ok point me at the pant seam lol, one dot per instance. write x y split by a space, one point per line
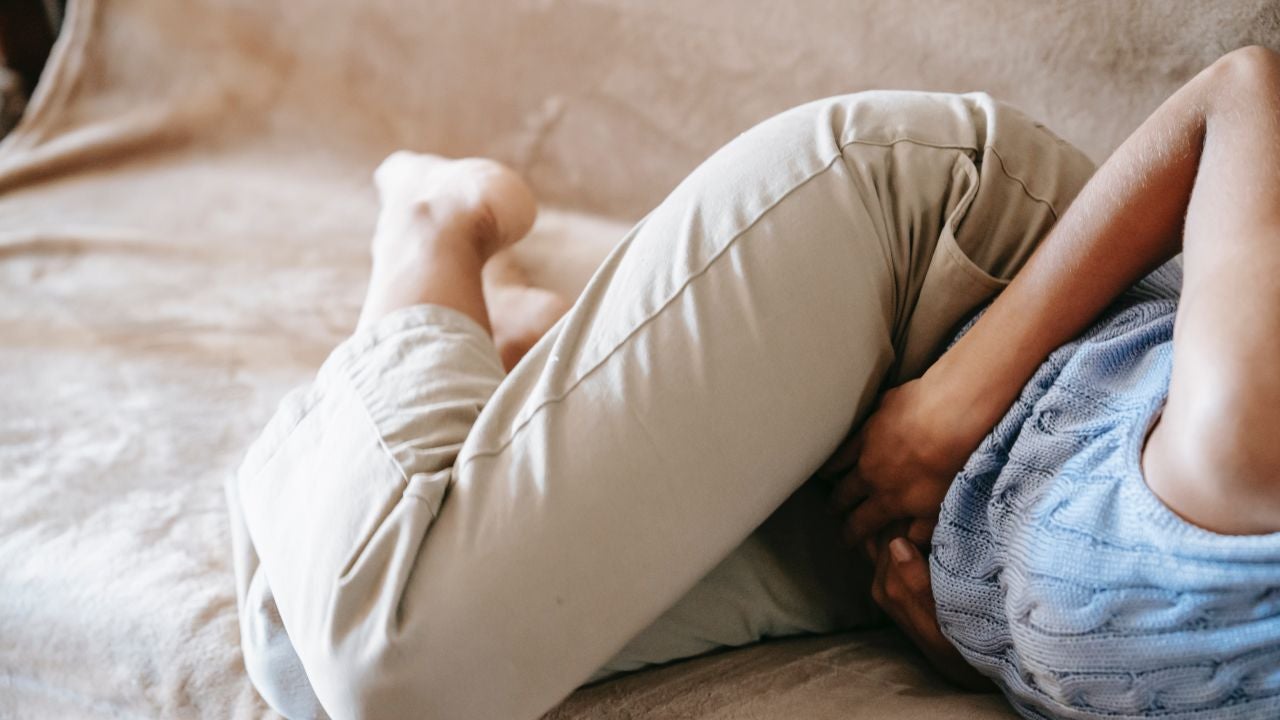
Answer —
353 387
1004 169
515 432
1026 190
913 141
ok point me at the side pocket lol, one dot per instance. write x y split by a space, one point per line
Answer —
954 285
1025 178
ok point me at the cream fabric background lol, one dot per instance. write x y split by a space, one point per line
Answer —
184 215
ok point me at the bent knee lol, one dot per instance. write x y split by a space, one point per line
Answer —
376 682
270 660
351 686
277 675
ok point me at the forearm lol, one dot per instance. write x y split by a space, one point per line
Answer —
1208 154
1126 222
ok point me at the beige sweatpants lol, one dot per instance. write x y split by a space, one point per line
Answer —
417 535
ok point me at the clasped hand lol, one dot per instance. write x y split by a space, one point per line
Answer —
899 465
890 478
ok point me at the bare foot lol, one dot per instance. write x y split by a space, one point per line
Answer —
440 221
428 192
519 313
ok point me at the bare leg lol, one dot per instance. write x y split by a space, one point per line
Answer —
441 220
519 312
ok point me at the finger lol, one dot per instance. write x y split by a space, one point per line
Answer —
868 519
910 603
920 621
908 589
878 581
873 545
910 568
920 532
844 458
850 491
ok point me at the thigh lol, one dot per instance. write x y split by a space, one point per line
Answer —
791 575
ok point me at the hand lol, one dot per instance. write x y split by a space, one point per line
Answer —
902 589
900 463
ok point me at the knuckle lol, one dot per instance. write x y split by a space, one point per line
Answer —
894 590
877 594
918 583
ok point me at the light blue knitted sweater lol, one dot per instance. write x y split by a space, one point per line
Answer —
1062 577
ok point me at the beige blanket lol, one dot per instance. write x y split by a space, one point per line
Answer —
184 216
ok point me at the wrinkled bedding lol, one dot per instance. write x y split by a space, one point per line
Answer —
184 222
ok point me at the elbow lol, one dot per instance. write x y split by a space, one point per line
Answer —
1247 74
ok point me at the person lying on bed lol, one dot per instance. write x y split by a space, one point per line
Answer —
419 534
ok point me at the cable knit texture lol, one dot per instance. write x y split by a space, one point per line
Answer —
1061 576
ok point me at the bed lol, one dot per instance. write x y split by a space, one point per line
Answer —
184 219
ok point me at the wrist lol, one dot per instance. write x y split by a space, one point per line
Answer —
968 398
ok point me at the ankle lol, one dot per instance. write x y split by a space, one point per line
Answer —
428 228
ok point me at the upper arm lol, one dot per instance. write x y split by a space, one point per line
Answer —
1213 457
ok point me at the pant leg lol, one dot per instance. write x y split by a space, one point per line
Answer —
791 575
718 356
359 459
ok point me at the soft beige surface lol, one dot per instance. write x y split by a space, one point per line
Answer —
183 223
868 676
